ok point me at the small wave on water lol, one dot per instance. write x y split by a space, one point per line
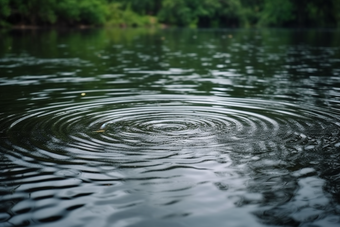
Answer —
173 160
170 127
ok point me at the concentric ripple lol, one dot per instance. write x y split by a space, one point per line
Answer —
163 148
157 125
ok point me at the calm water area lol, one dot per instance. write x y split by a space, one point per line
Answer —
174 127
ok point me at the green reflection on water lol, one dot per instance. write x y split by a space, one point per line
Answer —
268 64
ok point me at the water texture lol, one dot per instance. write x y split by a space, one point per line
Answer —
170 128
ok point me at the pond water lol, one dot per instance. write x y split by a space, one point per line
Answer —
170 128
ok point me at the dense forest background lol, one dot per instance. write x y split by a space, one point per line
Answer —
179 13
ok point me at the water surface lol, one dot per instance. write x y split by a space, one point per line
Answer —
170 128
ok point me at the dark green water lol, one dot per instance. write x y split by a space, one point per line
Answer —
170 128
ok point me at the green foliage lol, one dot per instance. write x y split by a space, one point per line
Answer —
84 12
4 8
68 11
207 13
320 12
276 12
184 13
50 12
118 16
142 7
176 12
336 12
35 11
93 11
5 11
233 13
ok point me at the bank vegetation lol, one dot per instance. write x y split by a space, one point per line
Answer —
175 13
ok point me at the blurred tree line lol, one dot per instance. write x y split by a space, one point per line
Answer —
184 13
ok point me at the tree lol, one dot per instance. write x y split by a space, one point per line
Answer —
5 11
276 13
185 13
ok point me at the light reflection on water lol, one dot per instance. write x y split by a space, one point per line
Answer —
171 128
